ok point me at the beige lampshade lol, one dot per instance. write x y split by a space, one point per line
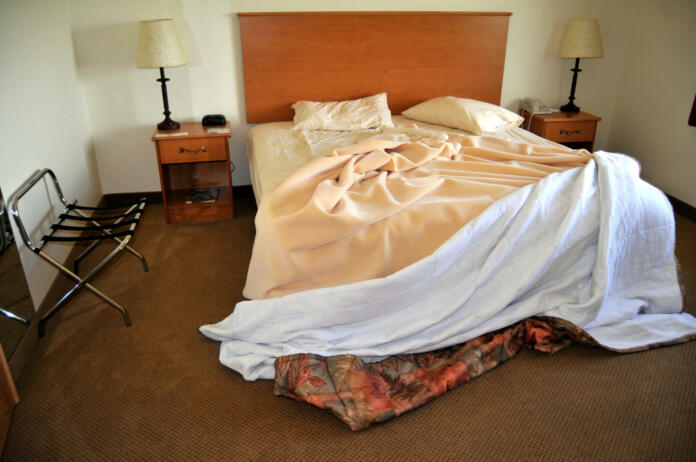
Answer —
582 40
159 44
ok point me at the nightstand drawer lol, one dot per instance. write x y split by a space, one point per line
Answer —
193 150
572 131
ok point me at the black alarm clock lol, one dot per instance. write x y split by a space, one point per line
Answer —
212 120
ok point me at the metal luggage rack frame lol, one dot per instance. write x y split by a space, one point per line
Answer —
114 231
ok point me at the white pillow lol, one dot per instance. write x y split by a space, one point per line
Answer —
355 114
465 114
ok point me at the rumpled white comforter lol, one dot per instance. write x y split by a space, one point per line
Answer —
592 245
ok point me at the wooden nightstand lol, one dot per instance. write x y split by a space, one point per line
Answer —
197 160
575 130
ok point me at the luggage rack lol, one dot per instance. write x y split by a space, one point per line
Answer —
121 229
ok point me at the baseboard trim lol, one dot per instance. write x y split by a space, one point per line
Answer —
244 190
155 197
682 208
125 199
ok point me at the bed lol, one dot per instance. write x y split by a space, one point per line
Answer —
555 254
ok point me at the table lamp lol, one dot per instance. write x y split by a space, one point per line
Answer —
159 46
581 40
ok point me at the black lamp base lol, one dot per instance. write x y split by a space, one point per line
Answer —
570 107
168 124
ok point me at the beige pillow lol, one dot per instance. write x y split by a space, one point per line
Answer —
465 114
355 114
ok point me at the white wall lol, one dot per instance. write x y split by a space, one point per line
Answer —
43 119
125 102
655 93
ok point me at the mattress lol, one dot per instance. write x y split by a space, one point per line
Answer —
276 150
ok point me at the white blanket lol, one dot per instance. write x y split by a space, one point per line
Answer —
592 245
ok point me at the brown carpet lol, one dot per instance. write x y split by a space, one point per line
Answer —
95 390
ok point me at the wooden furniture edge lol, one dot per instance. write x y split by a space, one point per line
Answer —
9 384
9 399
291 13
198 134
581 116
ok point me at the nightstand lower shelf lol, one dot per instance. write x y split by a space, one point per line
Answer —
589 145
178 209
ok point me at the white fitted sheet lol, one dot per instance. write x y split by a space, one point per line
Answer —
275 150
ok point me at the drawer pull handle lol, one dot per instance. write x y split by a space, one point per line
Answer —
192 151
570 132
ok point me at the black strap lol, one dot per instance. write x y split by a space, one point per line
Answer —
81 207
94 228
65 216
137 208
97 237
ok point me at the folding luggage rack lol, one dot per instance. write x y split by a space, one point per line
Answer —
121 229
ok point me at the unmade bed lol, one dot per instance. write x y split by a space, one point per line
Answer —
367 299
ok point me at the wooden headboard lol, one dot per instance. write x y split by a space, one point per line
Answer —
326 56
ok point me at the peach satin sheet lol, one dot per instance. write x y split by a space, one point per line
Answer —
371 209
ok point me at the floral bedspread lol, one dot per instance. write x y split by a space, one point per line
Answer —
361 393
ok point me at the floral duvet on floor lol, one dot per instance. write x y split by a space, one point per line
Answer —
361 393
